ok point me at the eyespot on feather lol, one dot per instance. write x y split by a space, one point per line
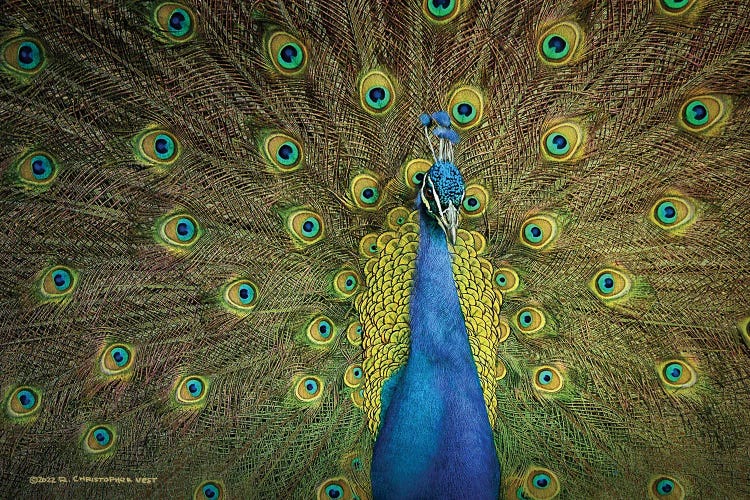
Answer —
413 172
562 142
354 375
672 213
57 283
530 320
240 296
676 374
191 390
674 7
287 53
305 226
116 359
539 231
397 218
609 284
336 488
441 11
540 484
376 93
466 107
320 330
209 490
547 379
354 333
346 283
283 152
365 192
308 388
175 22
156 147
178 232
23 402
368 245
665 488
23 56
559 44
704 114
476 199
506 279
99 439
36 169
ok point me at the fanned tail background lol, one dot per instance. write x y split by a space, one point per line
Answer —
205 199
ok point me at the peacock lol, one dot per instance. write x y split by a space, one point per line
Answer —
375 249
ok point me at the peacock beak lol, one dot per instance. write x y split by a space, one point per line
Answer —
448 220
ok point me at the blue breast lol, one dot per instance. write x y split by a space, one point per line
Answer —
435 439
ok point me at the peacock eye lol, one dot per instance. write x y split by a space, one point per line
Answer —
609 284
157 147
540 483
320 330
305 226
530 320
58 282
539 231
365 191
672 212
353 375
701 113
354 333
465 107
675 6
475 200
548 379
562 142
413 172
397 218
676 374
346 283
507 279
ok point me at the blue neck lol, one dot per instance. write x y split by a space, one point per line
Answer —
435 440
438 327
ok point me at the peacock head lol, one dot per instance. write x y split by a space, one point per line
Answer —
443 187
